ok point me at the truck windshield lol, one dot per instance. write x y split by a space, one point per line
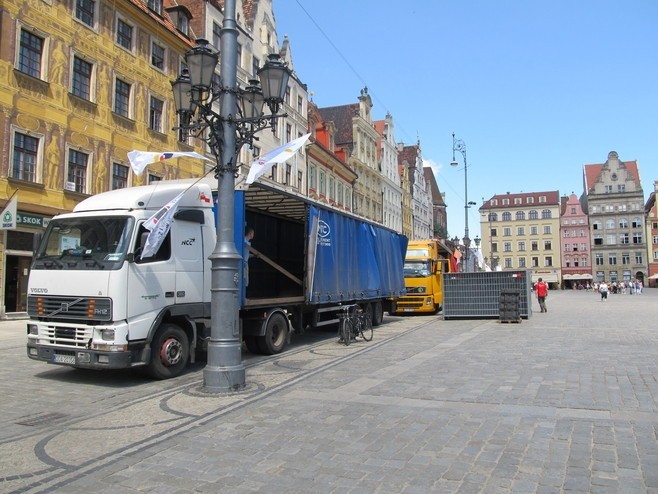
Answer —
84 243
416 269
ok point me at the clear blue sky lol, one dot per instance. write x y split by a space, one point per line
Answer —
535 88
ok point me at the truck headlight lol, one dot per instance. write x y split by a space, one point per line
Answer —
107 334
32 329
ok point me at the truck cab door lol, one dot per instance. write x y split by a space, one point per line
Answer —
189 256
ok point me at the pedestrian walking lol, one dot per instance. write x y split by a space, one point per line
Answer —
603 290
541 290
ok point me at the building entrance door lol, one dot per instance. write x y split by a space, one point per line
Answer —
17 270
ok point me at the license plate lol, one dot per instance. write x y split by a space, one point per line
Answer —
64 359
408 310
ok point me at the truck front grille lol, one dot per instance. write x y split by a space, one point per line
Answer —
50 308
66 336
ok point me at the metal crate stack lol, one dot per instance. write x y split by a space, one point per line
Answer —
477 295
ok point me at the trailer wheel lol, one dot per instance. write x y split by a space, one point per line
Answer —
377 313
170 351
276 335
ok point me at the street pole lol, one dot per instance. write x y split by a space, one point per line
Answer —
224 370
240 117
459 145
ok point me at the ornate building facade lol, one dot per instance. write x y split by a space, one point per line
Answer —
81 84
614 200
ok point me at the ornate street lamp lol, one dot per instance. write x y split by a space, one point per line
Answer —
477 240
460 146
198 93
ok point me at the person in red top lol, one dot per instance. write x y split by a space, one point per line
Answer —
541 289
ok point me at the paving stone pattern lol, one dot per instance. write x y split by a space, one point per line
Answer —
563 402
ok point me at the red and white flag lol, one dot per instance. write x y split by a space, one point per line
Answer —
159 225
278 155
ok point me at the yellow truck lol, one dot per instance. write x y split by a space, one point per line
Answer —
424 264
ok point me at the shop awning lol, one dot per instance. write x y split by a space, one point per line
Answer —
582 276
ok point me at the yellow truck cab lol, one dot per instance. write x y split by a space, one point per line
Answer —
424 264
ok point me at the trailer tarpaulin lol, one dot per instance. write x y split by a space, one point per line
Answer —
354 260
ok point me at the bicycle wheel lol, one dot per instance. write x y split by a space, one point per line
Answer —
346 331
366 327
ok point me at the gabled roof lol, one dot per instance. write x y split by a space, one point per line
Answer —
342 117
437 197
408 154
591 173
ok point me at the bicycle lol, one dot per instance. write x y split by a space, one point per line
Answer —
354 322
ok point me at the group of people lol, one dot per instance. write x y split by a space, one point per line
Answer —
541 289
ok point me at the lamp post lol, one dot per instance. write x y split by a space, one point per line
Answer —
477 240
198 93
459 145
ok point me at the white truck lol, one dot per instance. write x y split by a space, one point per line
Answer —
94 302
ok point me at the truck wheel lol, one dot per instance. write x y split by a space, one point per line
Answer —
377 313
170 351
276 335
251 342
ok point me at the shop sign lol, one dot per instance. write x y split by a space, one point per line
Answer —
32 220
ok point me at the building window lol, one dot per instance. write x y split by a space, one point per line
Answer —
522 262
625 258
505 202
156 108
530 200
610 224
548 261
183 24
155 6
534 245
275 173
636 223
546 214
300 104
547 230
312 178
323 190
533 230
624 238
122 98
638 258
607 189
507 247
507 232
157 55
533 215
637 238
567 247
85 11
548 245
119 176
520 215
508 260
507 216
30 54
518 200
288 132
77 173
520 230
300 180
598 239
565 234
599 259
81 80
621 188
493 217
534 262
339 197
611 239
26 150
597 225
612 259
521 246
288 174
216 34
154 178
583 247
623 223
542 198
583 262
494 247
124 34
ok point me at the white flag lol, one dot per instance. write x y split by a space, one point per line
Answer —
139 160
278 155
8 215
159 225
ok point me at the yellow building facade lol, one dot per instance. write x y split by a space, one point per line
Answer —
82 83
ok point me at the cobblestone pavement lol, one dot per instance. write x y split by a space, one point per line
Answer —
562 402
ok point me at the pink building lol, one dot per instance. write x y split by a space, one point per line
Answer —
574 243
